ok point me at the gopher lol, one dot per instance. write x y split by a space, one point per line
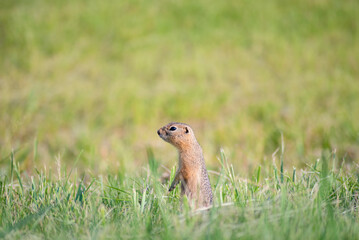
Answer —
191 170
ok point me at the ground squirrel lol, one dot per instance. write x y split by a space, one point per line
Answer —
191 170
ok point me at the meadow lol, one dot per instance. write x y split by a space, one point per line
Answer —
270 88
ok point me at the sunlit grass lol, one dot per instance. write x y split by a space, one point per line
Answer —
318 202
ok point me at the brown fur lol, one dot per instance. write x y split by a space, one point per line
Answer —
191 170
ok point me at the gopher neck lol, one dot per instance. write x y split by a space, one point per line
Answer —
191 155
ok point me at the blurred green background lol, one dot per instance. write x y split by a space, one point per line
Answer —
102 76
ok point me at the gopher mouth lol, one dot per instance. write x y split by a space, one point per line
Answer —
163 137
161 134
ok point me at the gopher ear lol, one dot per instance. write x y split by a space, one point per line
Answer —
186 130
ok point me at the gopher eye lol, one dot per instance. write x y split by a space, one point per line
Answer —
173 128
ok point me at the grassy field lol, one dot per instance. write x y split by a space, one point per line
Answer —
84 86
318 203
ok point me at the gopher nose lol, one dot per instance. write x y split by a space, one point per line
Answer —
158 132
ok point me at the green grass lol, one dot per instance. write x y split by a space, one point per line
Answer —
320 202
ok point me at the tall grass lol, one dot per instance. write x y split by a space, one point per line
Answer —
316 203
